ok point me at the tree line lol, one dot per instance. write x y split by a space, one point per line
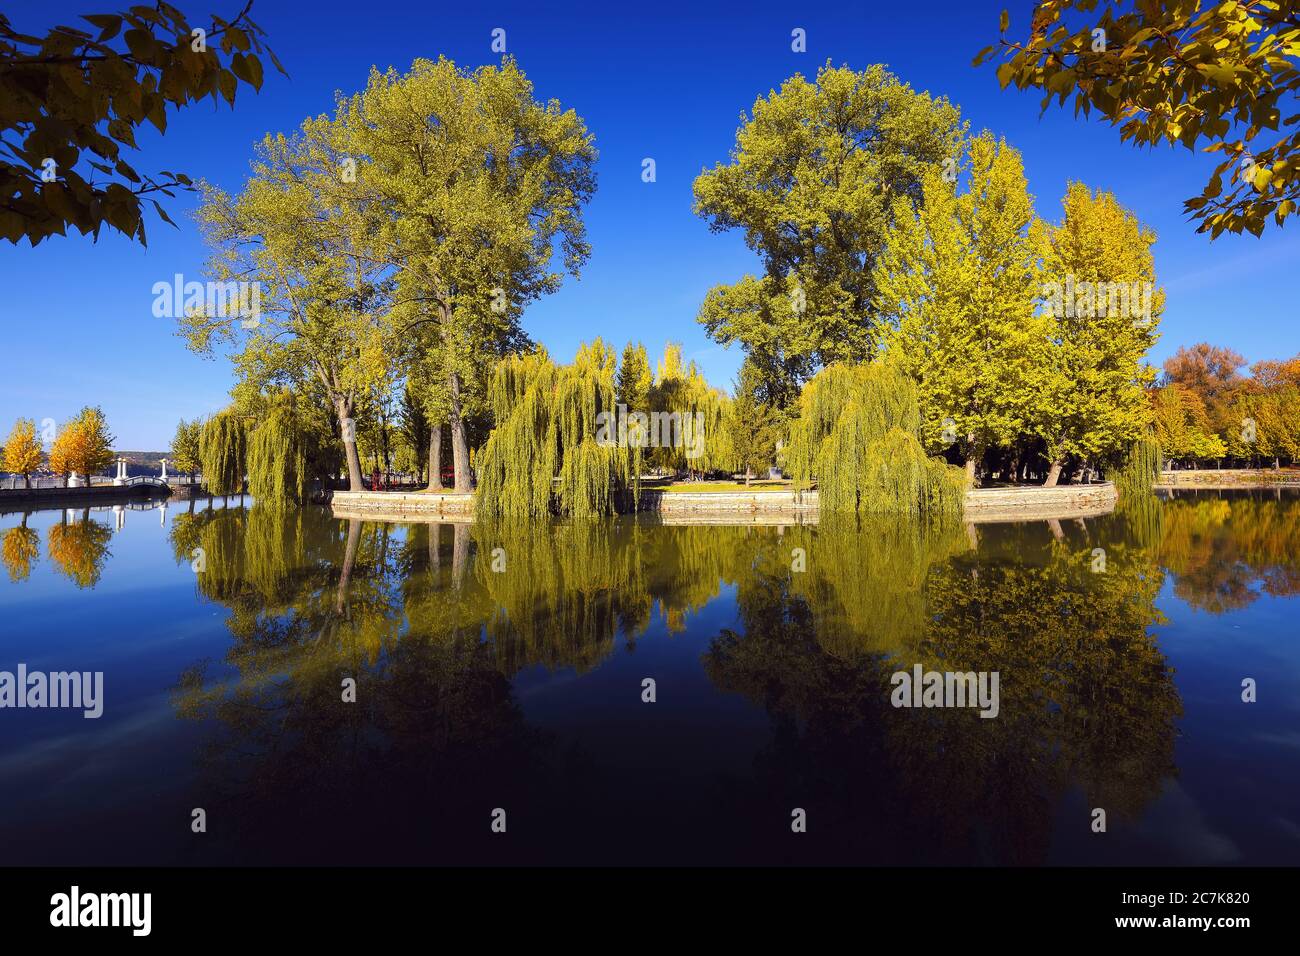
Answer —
398 241
82 445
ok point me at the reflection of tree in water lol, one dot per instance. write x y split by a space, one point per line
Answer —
434 637
1223 551
434 730
1086 699
79 549
19 550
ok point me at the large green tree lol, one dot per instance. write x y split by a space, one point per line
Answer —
323 315
482 189
813 183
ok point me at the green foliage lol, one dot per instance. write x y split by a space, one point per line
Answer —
858 435
1138 468
1182 427
223 453
549 419
323 325
753 427
1221 73
277 456
690 416
634 379
184 453
75 94
476 190
814 182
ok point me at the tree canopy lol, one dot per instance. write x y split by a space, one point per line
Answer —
813 183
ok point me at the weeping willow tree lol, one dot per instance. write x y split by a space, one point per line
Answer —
1138 468
277 455
550 422
690 416
857 435
223 452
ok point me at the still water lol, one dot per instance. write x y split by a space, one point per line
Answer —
504 668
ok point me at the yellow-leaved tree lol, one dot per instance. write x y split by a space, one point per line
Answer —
957 283
22 451
1101 299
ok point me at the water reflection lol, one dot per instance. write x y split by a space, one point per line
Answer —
434 621
501 665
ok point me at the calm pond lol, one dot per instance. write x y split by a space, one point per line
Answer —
504 668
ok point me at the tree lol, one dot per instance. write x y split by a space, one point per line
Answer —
22 451
83 445
76 97
414 424
753 427
223 452
553 422
1182 427
1220 73
482 188
634 380
298 233
184 452
1104 306
1210 372
686 423
814 181
858 435
956 284
63 449
1273 374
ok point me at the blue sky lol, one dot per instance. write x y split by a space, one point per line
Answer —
662 80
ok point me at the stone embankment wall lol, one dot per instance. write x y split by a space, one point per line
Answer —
780 507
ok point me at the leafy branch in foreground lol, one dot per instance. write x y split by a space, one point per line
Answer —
1180 72
75 98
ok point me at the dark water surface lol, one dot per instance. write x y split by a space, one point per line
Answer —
503 667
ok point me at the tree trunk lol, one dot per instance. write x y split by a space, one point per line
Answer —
349 560
459 553
435 459
459 442
343 407
28 480
1053 475
748 475
435 558
971 462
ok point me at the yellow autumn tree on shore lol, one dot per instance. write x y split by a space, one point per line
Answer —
83 446
22 451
